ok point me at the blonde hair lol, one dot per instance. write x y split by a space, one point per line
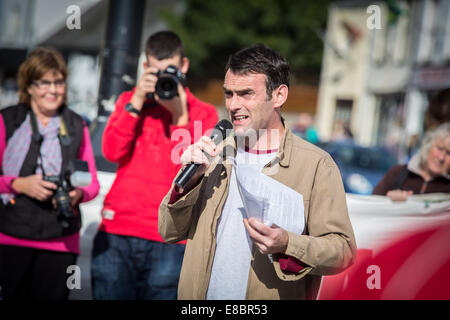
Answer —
39 61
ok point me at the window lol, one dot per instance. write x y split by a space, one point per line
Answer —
440 32
391 121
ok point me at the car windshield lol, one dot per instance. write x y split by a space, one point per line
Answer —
366 158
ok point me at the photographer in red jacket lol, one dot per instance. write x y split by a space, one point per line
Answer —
145 136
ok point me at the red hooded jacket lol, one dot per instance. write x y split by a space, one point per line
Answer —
147 150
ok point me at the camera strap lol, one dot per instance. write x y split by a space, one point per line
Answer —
38 138
63 135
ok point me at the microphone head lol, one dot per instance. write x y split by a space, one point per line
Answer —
221 130
223 125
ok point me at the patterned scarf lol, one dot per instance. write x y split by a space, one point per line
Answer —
19 144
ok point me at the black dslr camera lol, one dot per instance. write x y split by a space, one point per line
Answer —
76 175
167 85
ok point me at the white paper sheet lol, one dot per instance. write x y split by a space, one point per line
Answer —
269 200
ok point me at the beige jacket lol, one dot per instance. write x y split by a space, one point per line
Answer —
327 244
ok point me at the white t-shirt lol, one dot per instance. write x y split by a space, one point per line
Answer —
233 254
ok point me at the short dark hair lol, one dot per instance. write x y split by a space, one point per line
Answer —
163 45
261 59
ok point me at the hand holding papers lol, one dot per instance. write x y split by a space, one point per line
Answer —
269 200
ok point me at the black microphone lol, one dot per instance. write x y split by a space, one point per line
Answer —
220 132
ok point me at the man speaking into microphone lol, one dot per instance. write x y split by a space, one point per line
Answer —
230 255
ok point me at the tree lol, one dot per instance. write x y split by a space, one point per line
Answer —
212 30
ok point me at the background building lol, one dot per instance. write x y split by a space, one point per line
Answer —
26 24
380 80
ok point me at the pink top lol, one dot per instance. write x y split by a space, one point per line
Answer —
64 244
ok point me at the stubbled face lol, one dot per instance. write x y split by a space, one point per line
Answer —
48 93
438 159
247 102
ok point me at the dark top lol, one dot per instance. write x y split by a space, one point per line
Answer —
412 182
29 218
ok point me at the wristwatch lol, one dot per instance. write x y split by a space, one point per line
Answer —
129 108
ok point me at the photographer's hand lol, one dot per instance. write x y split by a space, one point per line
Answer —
146 84
177 106
75 196
34 187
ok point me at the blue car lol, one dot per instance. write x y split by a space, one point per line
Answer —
361 167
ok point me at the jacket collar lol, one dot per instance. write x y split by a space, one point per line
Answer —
285 150
414 167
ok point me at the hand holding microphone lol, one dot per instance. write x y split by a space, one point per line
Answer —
195 159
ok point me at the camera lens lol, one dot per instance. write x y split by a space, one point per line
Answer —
166 87
63 206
